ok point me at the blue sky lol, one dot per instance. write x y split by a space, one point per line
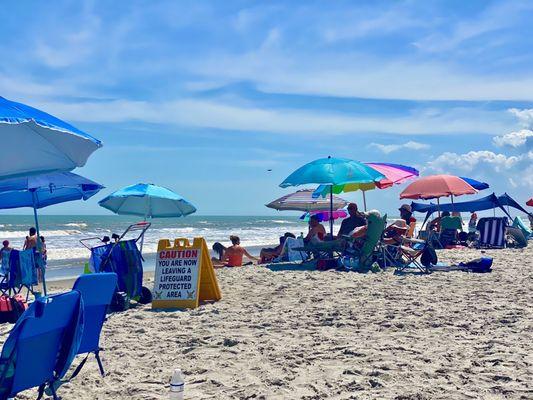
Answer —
205 97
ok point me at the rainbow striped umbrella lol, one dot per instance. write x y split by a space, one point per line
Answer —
395 174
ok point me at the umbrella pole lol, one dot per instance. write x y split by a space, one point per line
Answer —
364 199
438 206
331 210
40 260
453 206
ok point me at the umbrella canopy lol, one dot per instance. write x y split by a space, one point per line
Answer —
35 142
394 174
303 200
332 171
325 215
435 186
530 202
147 201
38 191
475 184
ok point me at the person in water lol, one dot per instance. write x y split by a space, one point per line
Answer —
234 254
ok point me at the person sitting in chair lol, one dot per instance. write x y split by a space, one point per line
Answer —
406 213
449 226
395 233
269 253
355 220
317 232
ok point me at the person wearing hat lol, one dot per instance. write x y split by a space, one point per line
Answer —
406 214
395 232
355 220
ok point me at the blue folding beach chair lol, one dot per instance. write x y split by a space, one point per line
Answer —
96 291
42 345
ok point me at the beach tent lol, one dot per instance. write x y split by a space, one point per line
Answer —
35 142
485 203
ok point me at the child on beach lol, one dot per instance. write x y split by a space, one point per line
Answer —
233 255
4 257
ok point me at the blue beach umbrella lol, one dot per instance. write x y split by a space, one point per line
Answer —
333 171
35 142
147 201
39 191
475 184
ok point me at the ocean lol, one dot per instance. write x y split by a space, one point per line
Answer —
66 255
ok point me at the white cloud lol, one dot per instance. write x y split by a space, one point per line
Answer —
236 115
513 139
390 148
525 116
474 159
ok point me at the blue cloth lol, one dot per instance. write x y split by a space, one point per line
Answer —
148 201
485 203
22 268
125 260
4 267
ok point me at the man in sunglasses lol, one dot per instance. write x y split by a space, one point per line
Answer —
355 220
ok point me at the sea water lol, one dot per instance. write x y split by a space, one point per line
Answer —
66 255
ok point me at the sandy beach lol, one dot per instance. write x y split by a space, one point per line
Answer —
335 335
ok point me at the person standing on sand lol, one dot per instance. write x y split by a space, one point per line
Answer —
233 255
31 240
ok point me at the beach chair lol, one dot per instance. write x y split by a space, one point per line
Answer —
492 232
41 345
289 251
21 274
369 251
410 254
96 291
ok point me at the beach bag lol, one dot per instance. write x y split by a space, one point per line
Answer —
6 309
120 302
479 265
429 257
326 263
19 305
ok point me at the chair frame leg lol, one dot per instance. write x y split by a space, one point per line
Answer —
99 361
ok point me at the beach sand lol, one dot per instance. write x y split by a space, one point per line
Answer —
318 335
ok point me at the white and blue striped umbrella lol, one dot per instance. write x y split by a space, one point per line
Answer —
147 201
34 142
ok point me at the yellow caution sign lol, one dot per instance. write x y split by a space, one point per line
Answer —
184 275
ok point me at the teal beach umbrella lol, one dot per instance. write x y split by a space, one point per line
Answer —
332 171
147 201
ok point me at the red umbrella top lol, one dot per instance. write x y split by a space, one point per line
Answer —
530 202
435 186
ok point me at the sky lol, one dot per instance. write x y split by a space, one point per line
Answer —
220 101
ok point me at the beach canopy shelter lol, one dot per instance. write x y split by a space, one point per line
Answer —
303 200
147 201
530 202
395 174
333 171
485 203
35 142
38 191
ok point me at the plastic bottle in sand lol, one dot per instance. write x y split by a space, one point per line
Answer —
177 385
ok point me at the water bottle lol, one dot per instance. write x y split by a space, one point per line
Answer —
177 385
